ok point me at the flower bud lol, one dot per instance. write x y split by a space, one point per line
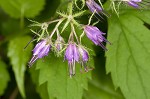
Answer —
59 43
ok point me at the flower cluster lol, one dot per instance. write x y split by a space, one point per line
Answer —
74 51
72 48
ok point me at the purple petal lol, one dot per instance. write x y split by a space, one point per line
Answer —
41 49
94 34
136 0
38 47
44 51
69 53
97 7
93 6
83 54
33 59
72 53
90 32
90 5
133 4
75 53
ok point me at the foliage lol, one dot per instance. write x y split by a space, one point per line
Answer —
129 56
121 72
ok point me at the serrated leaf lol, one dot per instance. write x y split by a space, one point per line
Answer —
59 84
4 77
128 59
101 86
22 8
19 58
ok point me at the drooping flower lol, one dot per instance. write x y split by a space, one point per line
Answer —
95 8
83 53
72 55
84 57
41 49
134 3
137 3
95 35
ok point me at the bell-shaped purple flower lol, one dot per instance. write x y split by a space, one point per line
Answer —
84 57
83 54
72 55
94 7
41 49
133 3
95 35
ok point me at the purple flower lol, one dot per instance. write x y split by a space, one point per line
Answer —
83 54
72 55
41 49
95 35
136 3
84 57
94 7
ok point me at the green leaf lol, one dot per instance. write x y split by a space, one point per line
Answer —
22 8
19 57
128 58
59 84
101 86
4 77
98 90
41 89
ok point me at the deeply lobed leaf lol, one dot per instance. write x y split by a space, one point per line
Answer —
128 57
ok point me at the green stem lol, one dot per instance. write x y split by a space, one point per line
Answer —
74 32
56 27
70 7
